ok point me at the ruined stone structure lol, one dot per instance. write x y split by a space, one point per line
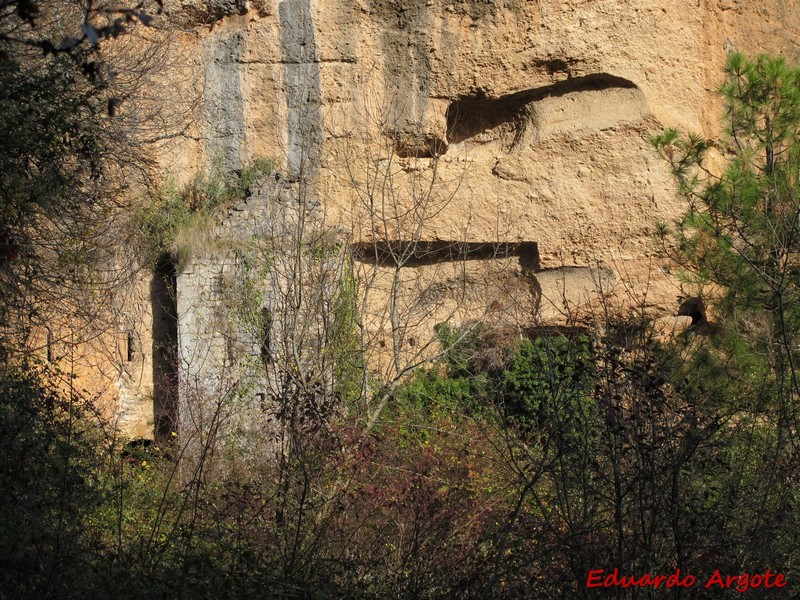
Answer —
252 303
516 122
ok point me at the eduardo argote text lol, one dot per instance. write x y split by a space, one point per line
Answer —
600 578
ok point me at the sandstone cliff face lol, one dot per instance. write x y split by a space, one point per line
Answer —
458 126
539 111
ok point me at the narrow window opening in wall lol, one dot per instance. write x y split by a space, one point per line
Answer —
164 349
125 347
265 334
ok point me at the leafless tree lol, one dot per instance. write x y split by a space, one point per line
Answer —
420 265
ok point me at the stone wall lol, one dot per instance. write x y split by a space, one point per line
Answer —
253 316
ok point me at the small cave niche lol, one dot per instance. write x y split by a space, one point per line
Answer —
470 116
474 114
412 145
165 349
408 253
695 308
554 65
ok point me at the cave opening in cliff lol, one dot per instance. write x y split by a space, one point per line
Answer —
165 349
410 253
407 145
694 308
471 115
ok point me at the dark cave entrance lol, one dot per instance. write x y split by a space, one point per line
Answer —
473 114
694 308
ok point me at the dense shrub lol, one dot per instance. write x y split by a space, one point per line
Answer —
50 458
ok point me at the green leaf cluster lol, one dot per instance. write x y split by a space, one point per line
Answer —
739 241
49 459
742 230
55 200
548 381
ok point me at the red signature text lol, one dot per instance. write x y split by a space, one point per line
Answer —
614 579
599 578
745 581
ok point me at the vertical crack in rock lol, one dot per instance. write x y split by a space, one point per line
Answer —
301 79
225 106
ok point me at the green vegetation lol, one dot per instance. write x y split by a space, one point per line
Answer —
507 469
65 165
451 492
178 220
549 377
740 238
54 214
49 467
344 340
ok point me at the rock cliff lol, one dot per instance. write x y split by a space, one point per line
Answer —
539 110
458 128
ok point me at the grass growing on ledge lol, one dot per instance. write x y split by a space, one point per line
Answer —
179 221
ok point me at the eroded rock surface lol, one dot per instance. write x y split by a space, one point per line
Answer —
539 110
471 127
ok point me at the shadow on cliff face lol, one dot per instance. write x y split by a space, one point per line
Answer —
408 253
472 115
